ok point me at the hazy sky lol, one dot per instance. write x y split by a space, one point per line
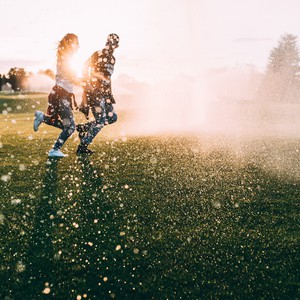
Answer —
158 38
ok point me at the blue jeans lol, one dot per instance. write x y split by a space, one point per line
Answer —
66 122
104 114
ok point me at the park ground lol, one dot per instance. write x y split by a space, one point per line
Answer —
196 216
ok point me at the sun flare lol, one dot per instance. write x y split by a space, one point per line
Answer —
77 62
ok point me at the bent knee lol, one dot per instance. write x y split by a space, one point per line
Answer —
69 125
112 118
71 129
100 121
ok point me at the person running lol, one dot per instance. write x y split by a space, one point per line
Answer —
97 94
61 98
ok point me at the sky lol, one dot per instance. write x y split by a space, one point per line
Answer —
159 39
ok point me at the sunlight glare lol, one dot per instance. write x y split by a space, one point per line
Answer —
77 62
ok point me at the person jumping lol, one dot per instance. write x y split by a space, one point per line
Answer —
61 98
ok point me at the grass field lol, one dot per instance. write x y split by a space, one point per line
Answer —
146 217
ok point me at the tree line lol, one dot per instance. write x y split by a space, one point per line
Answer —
17 78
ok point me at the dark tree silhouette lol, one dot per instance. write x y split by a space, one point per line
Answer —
17 78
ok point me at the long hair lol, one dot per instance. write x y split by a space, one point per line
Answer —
66 45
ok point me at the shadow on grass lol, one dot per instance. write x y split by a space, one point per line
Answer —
184 226
40 274
75 247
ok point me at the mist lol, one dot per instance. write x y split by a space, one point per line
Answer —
40 83
220 101
220 111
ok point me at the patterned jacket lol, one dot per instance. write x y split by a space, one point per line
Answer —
98 70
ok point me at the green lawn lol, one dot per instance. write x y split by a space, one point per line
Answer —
170 217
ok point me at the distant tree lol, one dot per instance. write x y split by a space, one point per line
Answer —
281 80
17 78
4 79
12 78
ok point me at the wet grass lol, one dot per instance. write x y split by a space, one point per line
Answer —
197 217
21 102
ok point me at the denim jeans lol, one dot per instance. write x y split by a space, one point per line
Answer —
66 122
104 114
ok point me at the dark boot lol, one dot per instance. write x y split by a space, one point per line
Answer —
82 149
